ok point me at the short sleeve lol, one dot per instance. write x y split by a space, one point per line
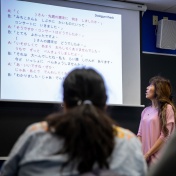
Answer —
140 124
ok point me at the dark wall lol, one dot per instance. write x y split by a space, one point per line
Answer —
152 65
155 61
15 117
127 117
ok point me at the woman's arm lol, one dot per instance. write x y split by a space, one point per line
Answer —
158 144
161 140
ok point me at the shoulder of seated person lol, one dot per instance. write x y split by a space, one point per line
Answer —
39 126
124 133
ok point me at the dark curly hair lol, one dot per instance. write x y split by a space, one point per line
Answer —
86 129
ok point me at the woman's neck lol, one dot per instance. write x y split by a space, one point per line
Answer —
154 104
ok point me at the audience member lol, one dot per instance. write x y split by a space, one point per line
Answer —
80 140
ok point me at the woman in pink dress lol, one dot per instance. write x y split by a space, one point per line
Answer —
158 120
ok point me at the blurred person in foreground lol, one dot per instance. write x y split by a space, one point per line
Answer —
82 140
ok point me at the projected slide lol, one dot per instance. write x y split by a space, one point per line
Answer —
41 43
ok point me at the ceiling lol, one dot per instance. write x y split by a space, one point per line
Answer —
157 5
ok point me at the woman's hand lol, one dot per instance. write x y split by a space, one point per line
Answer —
146 156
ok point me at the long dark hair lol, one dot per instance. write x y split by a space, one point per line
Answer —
163 96
86 129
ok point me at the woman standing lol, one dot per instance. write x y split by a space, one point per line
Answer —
158 120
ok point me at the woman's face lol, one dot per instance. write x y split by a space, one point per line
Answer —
150 92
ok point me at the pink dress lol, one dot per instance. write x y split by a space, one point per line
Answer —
150 130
